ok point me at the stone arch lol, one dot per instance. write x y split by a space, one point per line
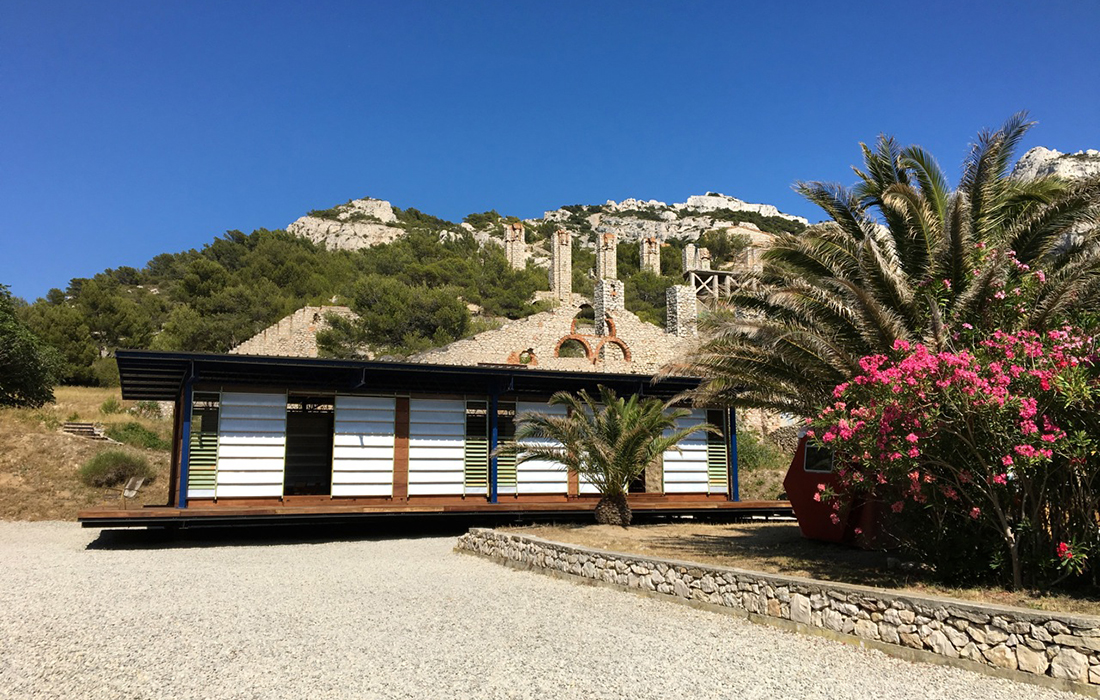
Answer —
615 342
571 341
586 315
610 330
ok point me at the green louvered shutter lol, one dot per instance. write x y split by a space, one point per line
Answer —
477 448
506 459
717 455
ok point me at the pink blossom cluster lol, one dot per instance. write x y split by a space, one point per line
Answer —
917 423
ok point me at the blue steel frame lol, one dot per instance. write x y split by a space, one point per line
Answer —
735 490
185 446
493 438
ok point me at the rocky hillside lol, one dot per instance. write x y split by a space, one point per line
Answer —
363 223
1041 161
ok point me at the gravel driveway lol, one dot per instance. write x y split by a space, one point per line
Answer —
382 618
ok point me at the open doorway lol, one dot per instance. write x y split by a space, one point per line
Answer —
309 426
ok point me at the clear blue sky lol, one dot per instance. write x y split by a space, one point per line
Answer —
135 128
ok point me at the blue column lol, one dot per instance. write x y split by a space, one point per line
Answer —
185 446
735 492
493 439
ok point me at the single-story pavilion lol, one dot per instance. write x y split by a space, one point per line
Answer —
261 439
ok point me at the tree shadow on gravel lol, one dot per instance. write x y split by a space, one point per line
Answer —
276 534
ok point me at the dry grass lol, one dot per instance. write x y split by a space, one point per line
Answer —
779 548
761 484
39 463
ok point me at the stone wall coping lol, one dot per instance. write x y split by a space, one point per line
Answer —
1073 620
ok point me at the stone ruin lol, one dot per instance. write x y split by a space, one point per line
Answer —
293 336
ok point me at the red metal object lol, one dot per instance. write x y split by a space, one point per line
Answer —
858 523
814 516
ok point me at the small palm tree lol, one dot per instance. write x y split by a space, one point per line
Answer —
610 441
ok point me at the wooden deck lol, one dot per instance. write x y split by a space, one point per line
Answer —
198 516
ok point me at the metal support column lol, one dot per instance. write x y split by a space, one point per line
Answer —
735 492
493 441
185 442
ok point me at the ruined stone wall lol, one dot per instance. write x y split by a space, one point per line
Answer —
629 346
1056 646
293 336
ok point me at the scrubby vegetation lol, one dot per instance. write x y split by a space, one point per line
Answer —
115 467
136 434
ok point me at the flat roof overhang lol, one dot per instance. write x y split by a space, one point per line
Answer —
149 375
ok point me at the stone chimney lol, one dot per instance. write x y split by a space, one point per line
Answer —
515 245
649 253
608 297
607 256
702 258
690 258
561 266
682 314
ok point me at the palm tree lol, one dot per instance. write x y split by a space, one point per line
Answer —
610 442
903 257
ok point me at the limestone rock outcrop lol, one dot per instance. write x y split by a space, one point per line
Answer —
1041 161
361 223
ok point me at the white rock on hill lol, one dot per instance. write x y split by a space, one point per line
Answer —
1041 161
361 223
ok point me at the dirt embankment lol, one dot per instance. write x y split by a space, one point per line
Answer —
39 464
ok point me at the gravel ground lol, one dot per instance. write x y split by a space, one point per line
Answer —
384 618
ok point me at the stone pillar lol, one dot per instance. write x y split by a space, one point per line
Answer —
515 245
561 266
649 252
689 257
682 314
607 256
608 297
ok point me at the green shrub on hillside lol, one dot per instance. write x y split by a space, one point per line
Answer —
134 433
110 407
755 452
115 467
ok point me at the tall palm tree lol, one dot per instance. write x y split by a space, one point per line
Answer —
903 256
610 441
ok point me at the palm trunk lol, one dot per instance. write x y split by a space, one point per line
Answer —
613 510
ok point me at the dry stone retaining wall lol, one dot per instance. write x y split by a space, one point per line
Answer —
1055 646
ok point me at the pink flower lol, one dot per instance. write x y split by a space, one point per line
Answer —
975 512
817 497
1064 552
912 437
1041 276
914 452
828 437
834 519
1006 460
1000 479
897 507
999 295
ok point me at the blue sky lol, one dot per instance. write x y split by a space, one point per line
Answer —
135 128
